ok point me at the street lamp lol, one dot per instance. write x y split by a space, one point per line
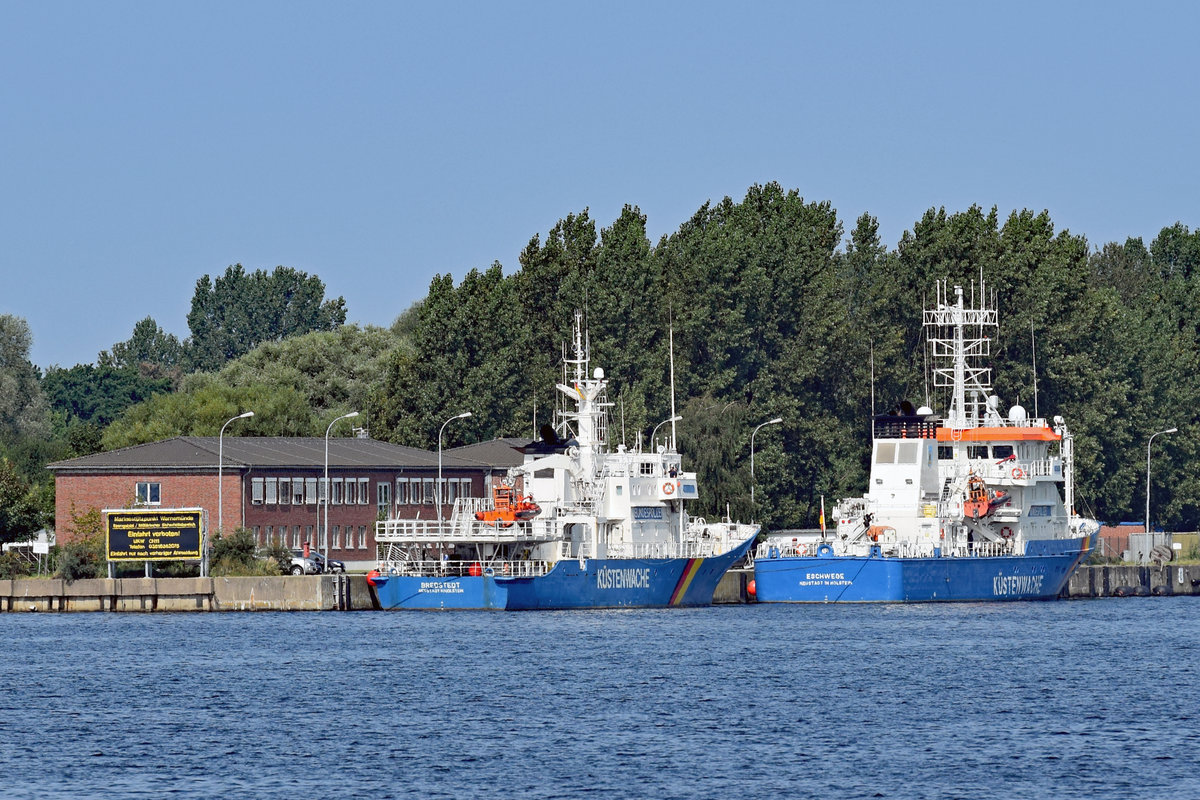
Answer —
775 421
327 430
437 492
221 470
675 418
1168 430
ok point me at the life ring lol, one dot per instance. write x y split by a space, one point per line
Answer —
489 571
1006 533
1018 473
668 488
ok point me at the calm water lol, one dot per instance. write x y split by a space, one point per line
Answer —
1088 699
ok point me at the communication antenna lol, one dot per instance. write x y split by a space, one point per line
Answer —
1033 345
671 334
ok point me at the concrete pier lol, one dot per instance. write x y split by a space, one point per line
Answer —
284 593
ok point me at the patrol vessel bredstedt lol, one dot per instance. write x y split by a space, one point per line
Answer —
577 525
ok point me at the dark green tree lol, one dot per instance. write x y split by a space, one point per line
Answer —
239 310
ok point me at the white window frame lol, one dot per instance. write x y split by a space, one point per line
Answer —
256 491
151 495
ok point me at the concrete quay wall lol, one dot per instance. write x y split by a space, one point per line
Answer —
1134 581
283 593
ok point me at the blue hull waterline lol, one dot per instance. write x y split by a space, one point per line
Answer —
587 583
1041 574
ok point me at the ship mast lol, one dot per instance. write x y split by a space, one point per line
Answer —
959 339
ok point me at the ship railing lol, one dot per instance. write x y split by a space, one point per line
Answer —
455 568
1011 471
686 549
464 529
786 550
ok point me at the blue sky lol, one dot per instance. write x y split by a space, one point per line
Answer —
144 144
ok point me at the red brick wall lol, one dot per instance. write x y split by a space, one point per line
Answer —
80 493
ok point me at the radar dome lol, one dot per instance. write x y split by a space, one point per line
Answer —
1016 414
924 411
598 374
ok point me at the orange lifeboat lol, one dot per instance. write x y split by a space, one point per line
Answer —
508 507
982 502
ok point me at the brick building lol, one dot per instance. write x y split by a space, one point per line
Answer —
274 486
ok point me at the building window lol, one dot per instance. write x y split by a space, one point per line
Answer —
148 494
401 492
362 537
349 537
268 535
465 487
336 495
296 537
272 493
383 497
337 537
308 532
256 491
322 490
310 491
256 534
364 491
285 491
298 491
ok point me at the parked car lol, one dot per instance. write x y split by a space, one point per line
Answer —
335 566
304 565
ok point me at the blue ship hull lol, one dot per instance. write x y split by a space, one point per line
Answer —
591 583
1040 574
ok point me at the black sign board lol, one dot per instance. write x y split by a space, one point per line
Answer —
154 535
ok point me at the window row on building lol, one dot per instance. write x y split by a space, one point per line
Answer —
294 536
347 491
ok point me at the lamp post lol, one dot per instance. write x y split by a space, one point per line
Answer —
775 421
221 470
437 492
1151 439
327 430
675 418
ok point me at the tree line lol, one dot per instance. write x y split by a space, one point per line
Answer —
775 311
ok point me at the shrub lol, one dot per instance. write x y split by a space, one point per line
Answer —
235 555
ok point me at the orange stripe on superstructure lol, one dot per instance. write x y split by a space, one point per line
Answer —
1042 434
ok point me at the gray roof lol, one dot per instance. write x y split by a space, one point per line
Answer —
198 452
496 453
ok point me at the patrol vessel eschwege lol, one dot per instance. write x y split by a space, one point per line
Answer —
962 508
